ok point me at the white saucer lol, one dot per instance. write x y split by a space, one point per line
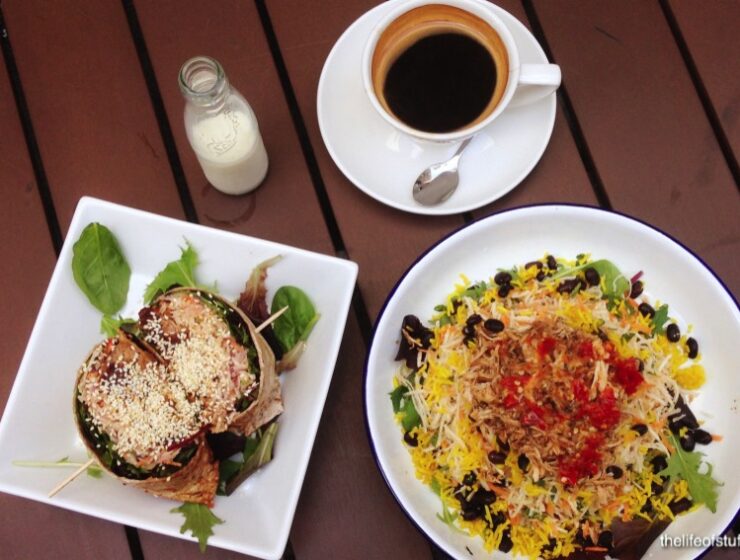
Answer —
383 163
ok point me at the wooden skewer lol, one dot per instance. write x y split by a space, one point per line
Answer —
70 478
271 318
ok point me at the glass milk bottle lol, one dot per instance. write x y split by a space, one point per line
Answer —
221 128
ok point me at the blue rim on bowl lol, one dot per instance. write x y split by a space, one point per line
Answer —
455 232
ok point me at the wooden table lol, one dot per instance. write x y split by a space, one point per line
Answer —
648 123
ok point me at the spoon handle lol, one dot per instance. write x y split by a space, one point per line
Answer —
462 146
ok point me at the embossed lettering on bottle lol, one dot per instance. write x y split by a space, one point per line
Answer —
221 128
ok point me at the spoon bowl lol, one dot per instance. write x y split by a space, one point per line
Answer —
437 182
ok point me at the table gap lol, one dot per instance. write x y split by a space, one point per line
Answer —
570 115
159 111
180 181
358 303
34 153
42 183
134 544
701 91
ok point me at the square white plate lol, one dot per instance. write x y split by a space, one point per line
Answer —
38 424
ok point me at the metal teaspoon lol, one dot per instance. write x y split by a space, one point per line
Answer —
437 182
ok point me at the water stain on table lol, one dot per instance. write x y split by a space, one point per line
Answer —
227 210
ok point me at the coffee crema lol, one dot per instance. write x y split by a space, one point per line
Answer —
439 69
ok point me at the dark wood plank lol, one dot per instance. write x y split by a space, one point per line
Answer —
32 530
284 208
652 144
90 107
559 176
710 31
384 241
336 518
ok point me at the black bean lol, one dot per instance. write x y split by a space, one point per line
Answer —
523 462
605 539
648 507
567 286
411 440
592 276
530 264
483 498
498 519
551 544
497 457
506 545
581 540
679 506
502 445
502 278
687 441
656 489
615 471
552 264
474 319
640 429
469 479
468 330
471 514
673 333
493 325
703 437
688 416
646 310
693 347
636 289
676 423
504 290
659 463
540 276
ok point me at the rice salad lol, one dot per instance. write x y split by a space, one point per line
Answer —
548 407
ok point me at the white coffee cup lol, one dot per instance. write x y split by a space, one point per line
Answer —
516 84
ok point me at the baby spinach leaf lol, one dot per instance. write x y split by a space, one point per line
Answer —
396 396
411 417
199 520
177 273
614 283
685 465
100 269
296 323
659 319
109 325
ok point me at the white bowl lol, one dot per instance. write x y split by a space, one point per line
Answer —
672 274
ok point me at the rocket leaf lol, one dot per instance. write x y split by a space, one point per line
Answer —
686 465
199 520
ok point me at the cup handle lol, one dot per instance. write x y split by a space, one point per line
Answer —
535 82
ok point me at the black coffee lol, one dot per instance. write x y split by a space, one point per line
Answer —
441 83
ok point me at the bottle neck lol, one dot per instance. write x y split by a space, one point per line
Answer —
204 83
